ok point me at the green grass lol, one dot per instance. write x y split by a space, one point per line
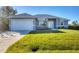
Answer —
47 41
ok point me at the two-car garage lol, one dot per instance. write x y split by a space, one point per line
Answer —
22 21
21 24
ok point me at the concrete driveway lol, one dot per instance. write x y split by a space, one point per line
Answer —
23 32
6 42
7 39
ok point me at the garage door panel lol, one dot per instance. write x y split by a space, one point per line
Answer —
22 24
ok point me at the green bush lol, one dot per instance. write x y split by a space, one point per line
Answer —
62 27
75 27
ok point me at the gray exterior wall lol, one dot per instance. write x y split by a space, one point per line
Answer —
66 23
57 22
60 21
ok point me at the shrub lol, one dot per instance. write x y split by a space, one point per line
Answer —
62 27
75 27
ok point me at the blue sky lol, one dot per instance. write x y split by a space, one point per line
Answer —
70 12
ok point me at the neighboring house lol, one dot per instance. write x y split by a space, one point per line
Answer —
35 22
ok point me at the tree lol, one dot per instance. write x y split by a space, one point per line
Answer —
75 22
6 11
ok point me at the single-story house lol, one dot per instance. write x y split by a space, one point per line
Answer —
36 22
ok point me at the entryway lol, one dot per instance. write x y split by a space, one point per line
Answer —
51 24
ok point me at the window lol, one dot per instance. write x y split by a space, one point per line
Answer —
66 22
61 23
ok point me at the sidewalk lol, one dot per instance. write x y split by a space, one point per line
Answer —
6 42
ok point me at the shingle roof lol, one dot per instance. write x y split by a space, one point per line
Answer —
48 16
44 15
23 15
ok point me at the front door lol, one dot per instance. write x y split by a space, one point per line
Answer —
50 24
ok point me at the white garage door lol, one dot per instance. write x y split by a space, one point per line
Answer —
21 24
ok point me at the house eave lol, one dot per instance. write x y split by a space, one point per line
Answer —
21 17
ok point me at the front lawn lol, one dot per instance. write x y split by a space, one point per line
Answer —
47 41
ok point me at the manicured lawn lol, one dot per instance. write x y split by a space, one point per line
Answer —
48 41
